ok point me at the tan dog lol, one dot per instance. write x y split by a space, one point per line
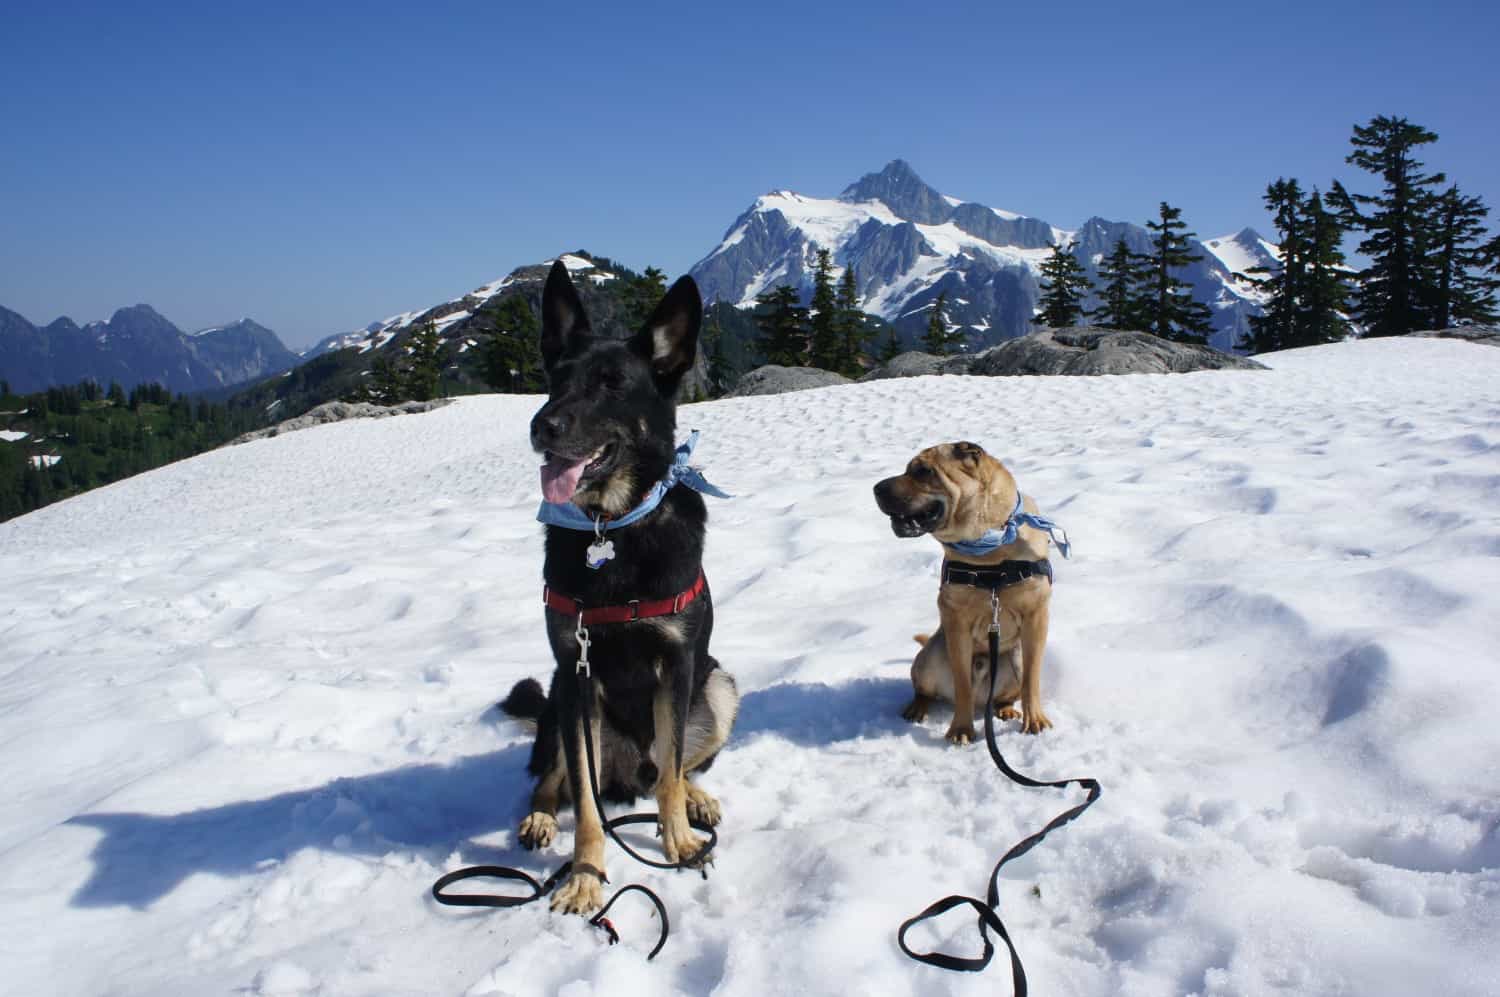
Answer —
956 492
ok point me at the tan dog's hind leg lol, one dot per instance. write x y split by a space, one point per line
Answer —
1033 643
672 788
930 679
960 646
584 889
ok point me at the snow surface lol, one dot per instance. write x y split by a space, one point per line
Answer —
12 435
248 720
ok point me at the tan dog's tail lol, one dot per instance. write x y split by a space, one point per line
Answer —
921 638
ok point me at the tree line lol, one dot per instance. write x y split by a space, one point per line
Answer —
1431 264
73 438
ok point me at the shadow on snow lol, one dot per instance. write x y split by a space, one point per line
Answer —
141 857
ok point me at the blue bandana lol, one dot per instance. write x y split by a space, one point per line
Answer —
569 516
993 540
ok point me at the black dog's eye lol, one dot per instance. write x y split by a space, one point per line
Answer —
608 379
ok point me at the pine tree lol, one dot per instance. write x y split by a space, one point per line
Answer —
1276 328
512 360
1067 285
1325 298
719 370
642 295
1171 311
783 327
891 348
1396 291
854 328
385 385
939 339
424 365
823 341
1463 293
1124 277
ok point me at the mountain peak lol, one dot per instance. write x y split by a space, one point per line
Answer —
898 187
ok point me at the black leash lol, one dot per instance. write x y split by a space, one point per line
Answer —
539 890
987 909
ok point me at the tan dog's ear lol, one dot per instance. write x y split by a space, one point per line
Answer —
971 453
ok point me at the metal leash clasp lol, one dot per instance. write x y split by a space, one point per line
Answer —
581 633
994 611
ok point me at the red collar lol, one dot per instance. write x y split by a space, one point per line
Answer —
635 609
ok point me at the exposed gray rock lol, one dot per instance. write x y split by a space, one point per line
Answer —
915 364
1487 335
1075 350
774 380
338 412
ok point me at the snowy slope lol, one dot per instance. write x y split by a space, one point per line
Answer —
247 701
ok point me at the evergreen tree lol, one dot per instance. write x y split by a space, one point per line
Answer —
719 370
1276 328
642 295
1325 298
1396 291
783 327
385 385
512 360
939 339
854 327
823 340
1066 286
1464 292
424 364
116 393
1124 276
891 348
1170 311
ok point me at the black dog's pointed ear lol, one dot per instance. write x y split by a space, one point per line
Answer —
669 339
966 451
563 319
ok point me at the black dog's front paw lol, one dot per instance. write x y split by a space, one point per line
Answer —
537 830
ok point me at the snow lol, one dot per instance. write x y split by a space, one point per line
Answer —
45 460
248 720
575 263
12 435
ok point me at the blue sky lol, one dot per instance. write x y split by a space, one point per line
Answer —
318 166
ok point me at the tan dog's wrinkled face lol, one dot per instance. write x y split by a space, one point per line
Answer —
949 490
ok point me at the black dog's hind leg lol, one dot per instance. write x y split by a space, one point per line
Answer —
584 889
709 722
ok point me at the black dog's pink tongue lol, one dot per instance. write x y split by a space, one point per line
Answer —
560 478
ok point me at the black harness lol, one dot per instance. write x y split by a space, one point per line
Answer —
994 577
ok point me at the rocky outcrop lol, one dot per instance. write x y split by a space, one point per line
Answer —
1075 350
338 412
1486 335
774 380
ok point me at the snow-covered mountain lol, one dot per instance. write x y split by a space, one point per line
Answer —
907 243
455 310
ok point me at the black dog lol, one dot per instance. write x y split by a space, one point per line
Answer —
662 707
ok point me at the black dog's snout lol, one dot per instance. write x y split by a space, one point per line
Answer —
549 427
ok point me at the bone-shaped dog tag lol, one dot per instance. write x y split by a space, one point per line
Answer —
599 552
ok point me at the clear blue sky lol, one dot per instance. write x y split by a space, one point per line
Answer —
318 166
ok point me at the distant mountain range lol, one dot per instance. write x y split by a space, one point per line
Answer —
908 243
137 346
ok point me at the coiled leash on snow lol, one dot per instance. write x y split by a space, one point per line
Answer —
994 578
586 695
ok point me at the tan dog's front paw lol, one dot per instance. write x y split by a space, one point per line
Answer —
916 710
702 808
581 894
960 733
1035 721
537 830
1007 712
